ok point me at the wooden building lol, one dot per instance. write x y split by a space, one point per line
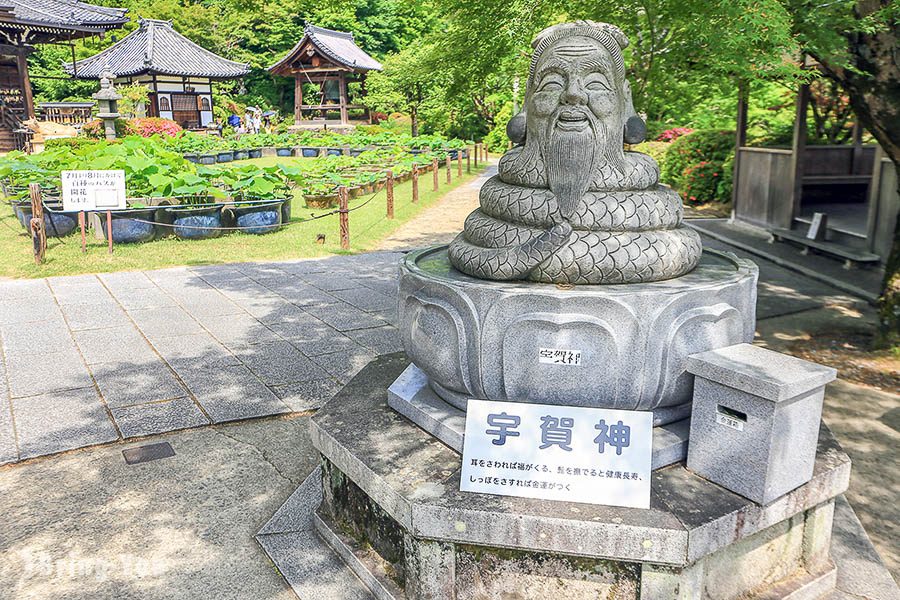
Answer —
838 200
178 72
26 23
328 61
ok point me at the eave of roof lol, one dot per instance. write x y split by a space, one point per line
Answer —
156 48
61 15
339 46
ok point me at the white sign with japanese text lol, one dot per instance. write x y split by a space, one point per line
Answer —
593 455
93 190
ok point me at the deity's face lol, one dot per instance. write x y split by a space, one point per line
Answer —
574 87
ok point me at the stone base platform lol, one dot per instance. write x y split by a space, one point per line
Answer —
393 525
412 397
391 497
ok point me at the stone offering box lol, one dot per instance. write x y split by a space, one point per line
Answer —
393 510
755 419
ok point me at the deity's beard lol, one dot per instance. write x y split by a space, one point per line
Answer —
570 160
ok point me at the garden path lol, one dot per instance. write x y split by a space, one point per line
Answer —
440 223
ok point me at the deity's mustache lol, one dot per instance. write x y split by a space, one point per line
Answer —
574 139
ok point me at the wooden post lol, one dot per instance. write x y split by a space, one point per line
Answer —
389 185
434 172
468 160
484 147
81 220
449 164
798 151
459 163
38 235
342 84
298 99
345 217
109 239
739 142
477 152
25 82
415 183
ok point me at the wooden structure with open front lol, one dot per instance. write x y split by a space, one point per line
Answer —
330 60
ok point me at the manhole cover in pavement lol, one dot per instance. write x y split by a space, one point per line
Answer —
142 454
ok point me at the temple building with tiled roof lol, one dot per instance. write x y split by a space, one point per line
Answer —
26 23
327 61
178 72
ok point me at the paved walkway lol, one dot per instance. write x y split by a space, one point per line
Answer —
441 222
93 359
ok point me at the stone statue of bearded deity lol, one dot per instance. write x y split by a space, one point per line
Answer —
569 204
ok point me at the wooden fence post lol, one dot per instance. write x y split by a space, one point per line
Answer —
389 186
449 164
345 217
459 163
38 234
434 172
82 218
109 231
468 160
486 155
477 152
415 183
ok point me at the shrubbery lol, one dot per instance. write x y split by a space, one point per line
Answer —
150 126
144 127
695 164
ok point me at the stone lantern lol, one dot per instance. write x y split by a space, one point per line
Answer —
108 101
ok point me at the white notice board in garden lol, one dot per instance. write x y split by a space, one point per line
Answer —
93 190
593 455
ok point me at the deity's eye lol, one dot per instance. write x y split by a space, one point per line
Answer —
596 83
552 82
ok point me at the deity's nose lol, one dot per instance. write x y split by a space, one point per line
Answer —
574 93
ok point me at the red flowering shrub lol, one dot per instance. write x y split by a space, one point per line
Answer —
670 135
700 182
150 126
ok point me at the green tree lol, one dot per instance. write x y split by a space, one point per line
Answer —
408 81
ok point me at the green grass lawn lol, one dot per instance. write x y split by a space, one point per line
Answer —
368 226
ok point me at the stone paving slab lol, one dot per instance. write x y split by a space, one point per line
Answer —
35 374
36 338
279 363
116 344
165 322
60 421
307 395
23 289
8 450
345 364
124 384
234 393
159 417
345 317
95 316
27 310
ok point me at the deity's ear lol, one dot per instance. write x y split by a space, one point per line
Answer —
516 130
635 128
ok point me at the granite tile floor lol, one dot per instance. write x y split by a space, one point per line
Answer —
91 359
